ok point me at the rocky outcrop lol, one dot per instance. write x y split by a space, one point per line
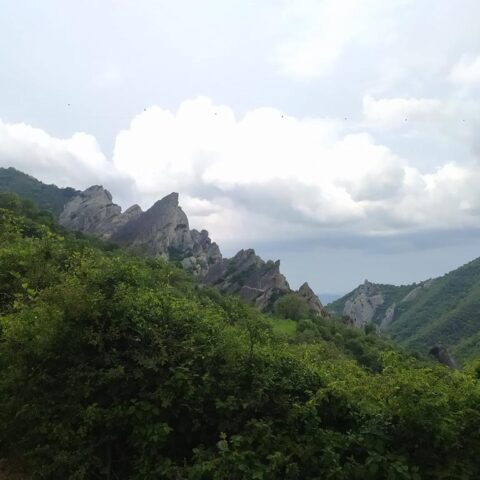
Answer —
313 301
362 306
247 275
163 231
93 212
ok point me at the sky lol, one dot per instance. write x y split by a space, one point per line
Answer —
339 136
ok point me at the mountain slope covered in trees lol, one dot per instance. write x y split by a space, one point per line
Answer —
49 197
113 365
444 310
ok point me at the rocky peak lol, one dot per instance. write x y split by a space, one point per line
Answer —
97 191
92 212
164 226
247 275
162 230
363 303
313 301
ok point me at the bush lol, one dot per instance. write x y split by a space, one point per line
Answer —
292 306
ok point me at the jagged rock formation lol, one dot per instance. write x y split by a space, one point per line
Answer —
313 301
441 354
163 230
247 275
93 212
362 306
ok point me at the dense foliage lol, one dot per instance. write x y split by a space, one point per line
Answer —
115 366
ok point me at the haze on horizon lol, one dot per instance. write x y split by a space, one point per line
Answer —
337 135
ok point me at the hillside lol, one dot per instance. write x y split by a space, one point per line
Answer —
161 231
445 310
116 365
49 197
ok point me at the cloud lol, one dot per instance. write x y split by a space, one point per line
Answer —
467 71
397 47
389 113
108 77
317 36
321 30
76 161
267 175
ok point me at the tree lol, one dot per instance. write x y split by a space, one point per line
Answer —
292 306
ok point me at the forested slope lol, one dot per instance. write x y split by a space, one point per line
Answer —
444 310
49 197
118 366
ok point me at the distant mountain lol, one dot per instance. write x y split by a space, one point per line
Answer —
49 197
444 310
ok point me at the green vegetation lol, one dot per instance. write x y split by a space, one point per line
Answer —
284 326
292 306
49 197
117 366
445 310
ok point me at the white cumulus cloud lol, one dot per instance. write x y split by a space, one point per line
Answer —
76 161
266 176
308 175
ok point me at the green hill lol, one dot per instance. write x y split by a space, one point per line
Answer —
49 197
445 310
114 365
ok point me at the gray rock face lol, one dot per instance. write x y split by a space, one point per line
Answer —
163 231
368 303
93 212
361 308
313 301
247 275
160 231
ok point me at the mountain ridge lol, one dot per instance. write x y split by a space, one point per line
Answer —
443 310
163 231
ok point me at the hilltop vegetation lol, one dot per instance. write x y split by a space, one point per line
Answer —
117 366
445 310
48 197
